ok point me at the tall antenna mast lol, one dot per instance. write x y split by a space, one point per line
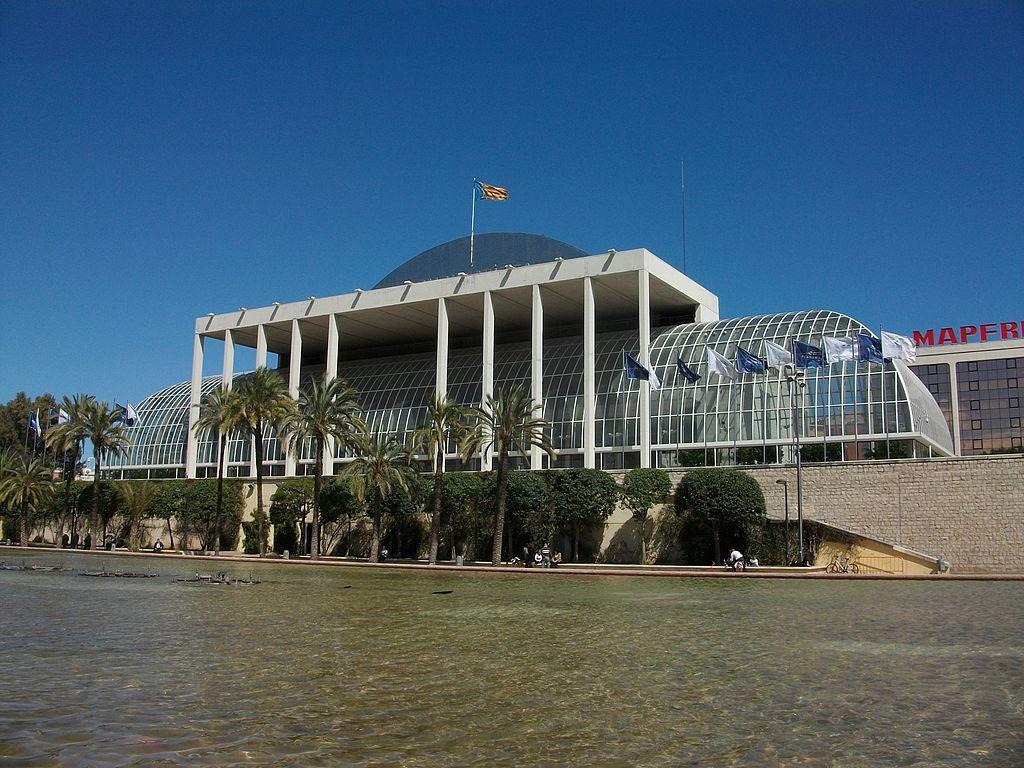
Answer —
682 210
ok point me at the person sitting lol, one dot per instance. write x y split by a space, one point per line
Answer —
538 559
556 559
158 547
753 562
736 560
384 554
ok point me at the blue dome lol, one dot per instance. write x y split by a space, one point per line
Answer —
491 250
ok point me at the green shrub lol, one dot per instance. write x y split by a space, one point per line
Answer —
718 502
641 490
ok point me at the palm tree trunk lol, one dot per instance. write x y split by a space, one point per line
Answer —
260 523
375 539
24 522
499 512
318 471
220 493
94 522
133 532
69 478
435 519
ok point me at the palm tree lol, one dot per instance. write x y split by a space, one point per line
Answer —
220 411
27 486
383 466
506 423
67 439
446 420
327 409
103 427
8 459
136 498
263 402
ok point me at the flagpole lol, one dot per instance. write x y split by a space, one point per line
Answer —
856 418
704 423
472 222
764 413
682 209
625 403
885 423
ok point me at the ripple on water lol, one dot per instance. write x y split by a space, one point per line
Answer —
506 671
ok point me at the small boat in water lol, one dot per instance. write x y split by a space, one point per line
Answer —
31 567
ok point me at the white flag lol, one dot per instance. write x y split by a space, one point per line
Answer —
777 356
840 348
896 347
652 379
721 365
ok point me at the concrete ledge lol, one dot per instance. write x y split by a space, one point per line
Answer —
588 570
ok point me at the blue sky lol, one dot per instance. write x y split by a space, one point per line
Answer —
159 161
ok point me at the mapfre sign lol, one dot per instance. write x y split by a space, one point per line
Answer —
966 334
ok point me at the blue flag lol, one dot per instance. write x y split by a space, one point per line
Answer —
685 371
869 349
634 370
747 363
33 423
808 355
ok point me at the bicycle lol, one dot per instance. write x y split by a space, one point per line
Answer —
842 564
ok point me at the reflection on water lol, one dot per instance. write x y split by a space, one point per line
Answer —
511 670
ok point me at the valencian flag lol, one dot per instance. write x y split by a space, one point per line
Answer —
896 347
685 371
869 350
634 370
747 363
808 355
491 192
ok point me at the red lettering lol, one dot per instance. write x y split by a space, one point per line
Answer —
927 339
947 336
967 331
1008 331
985 332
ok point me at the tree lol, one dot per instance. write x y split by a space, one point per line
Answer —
506 423
529 518
136 499
582 498
67 438
641 490
220 411
168 503
26 487
326 409
103 427
382 466
462 496
338 503
263 403
289 507
446 420
719 500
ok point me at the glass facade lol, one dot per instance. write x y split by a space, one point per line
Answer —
847 406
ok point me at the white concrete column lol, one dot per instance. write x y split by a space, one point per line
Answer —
191 442
589 395
487 369
294 367
261 346
441 366
331 374
644 302
261 362
537 368
229 360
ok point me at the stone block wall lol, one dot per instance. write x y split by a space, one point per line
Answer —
969 510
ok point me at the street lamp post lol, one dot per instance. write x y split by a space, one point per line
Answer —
785 490
796 377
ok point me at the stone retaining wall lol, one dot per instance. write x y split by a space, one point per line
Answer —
968 510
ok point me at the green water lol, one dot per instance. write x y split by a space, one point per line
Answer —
352 667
